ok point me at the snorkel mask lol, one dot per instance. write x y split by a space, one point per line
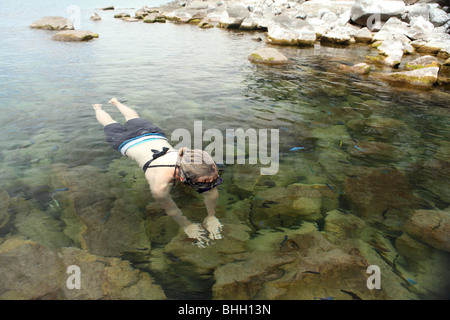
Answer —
200 187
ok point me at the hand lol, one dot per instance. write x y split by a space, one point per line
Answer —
213 226
113 101
97 106
195 231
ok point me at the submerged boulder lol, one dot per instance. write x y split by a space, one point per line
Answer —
268 56
74 35
431 227
53 23
358 69
33 271
295 264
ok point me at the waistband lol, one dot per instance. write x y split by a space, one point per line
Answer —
137 140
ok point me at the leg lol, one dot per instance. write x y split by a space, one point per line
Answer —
126 111
102 116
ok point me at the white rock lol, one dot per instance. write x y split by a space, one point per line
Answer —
393 50
438 17
362 10
53 23
286 31
363 35
268 56
338 35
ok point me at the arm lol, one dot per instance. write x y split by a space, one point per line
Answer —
211 223
192 230
162 196
210 199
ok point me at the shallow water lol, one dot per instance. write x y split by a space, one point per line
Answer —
373 151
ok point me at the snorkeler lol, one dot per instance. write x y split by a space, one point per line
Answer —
145 143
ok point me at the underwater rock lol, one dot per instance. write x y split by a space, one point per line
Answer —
29 270
431 227
118 280
32 271
425 77
294 203
37 225
380 194
428 175
294 264
96 219
382 129
268 56
377 151
358 69
4 205
424 264
52 23
75 35
235 237
343 224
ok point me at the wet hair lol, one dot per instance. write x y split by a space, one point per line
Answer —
196 164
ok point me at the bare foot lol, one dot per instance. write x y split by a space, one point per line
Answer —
113 101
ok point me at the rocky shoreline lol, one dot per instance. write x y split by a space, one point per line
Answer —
396 28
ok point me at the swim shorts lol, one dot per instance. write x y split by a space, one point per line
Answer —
122 137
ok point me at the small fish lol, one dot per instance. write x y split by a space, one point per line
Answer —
353 295
340 123
411 281
283 242
62 189
258 198
326 298
358 148
311 272
329 186
340 144
107 214
261 224
297 148
56 202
